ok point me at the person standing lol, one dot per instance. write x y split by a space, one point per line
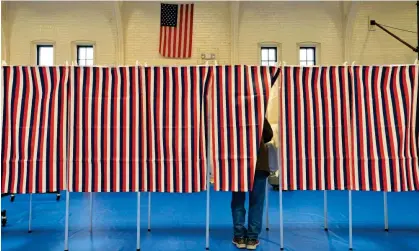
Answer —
249 238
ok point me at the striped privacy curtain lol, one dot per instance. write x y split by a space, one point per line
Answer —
315 128
147 128
34 129
137 129
238 100
384 110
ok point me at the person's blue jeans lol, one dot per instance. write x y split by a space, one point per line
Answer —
256 203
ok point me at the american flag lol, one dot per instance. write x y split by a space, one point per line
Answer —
137 129
315 128
34 129
384 117
176 26
238 100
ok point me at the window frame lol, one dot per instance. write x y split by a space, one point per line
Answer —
306 48
269 48
34 51
78 46
269 45
38 49
83 43
309 45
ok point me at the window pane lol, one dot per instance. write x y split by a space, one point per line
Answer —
89 53
81 53
303 63
272 63
310 54
310 62
272 54
89 62
82 62
265 54
46 55
303 54
265 63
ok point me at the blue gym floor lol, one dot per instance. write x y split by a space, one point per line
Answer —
178 222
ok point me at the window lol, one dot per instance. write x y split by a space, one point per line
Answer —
307 56
45 55
85 55
269 56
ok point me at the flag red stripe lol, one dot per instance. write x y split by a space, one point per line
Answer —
181 28
185 38
190 30
170 43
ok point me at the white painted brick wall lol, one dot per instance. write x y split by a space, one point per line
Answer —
62 22
377 47
287 23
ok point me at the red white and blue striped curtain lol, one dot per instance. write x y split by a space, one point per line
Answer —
34 129
238 98
145 128
137 129
315 128
384 110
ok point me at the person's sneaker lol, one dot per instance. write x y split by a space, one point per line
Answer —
240 242
252 244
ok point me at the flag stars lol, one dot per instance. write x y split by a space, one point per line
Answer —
169 15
